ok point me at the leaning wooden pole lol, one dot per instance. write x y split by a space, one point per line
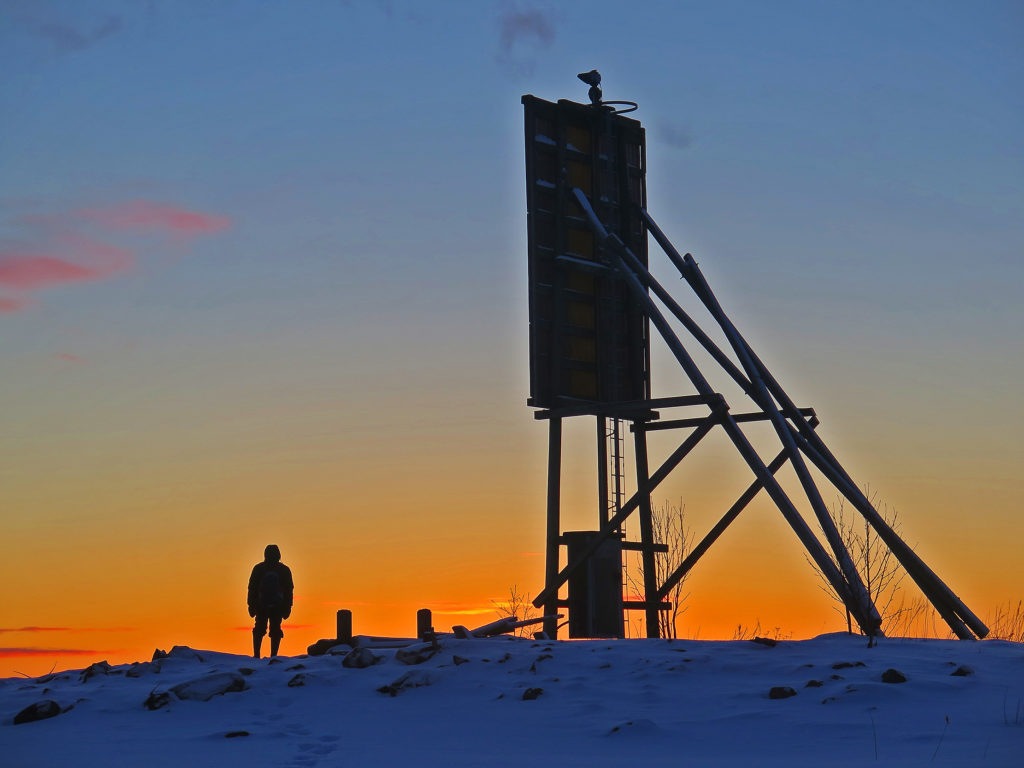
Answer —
956 614
631 270
863 608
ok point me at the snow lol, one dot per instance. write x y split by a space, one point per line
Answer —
601 703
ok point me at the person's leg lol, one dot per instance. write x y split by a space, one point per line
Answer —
276 633
258 631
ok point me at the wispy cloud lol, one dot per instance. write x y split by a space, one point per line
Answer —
153 216
78 246
524 32
67 629
35 629
35 271
675 135
30 651
9 305
64 34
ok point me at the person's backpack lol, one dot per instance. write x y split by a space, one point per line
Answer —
271 596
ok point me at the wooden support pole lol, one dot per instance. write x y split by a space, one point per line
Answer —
861 606
553 526
611 528
344 626
741 418
602 471
424 623
647 556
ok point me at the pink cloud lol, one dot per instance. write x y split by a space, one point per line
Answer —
34 629
29 272
67 629
145 214
11 652
72 247
32 271
69 357
9 305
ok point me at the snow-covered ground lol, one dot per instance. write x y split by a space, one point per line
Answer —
514 702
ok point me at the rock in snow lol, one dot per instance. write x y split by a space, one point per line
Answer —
41 710
205 688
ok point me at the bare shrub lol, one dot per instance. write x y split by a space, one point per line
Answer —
879 569
668 523
747 632
518 607
1008 622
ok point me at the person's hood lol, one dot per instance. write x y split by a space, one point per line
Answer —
272 554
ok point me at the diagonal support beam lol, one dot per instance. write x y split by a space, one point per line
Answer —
556 580
704 545
863 608
636 277
950 607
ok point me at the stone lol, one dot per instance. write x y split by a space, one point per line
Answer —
457 660
360 658
184 652
962 671
138 669
530 694
893 676
765 641
99 668
41 710
781 692
320 647
848 664
157 700
158 654
235 734
414 679
206 687
298 681
416 654
814 684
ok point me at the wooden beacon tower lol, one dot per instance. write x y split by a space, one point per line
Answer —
592 304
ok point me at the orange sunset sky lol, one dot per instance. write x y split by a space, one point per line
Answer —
263 280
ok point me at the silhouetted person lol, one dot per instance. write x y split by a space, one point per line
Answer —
270 599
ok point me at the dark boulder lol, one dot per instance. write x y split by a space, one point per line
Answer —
532 693
206 687
415 679
416 654
99 668
893 676
41 710
360 658
156 700
781 692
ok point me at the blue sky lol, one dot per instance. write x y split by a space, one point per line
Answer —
353 285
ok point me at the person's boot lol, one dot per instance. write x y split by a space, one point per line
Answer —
257 641
275 643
